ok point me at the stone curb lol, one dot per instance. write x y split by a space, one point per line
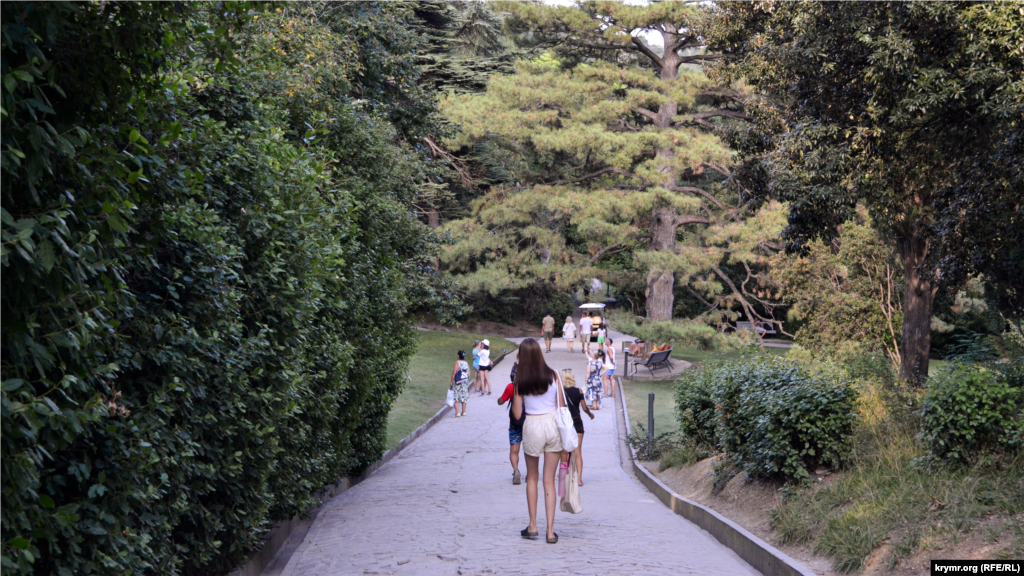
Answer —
763 557
280 533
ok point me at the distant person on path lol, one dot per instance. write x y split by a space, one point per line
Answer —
601 335
594 367
609 368
485 367
460 383
476 366
537 395
574 398
515 427
548 328
586 324
569 334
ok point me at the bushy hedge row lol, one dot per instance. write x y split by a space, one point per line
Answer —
207 250
769 415
973 410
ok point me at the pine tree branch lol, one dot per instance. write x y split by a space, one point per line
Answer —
684 219
605 250
587 176
700 117
647 51
644 111
699 192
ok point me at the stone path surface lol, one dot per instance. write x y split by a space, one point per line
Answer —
447 506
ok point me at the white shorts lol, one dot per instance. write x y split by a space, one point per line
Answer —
540 434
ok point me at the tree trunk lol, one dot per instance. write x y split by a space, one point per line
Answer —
433 218
919 297
663 223
660 281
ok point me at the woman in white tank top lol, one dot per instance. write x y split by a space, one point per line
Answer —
537 395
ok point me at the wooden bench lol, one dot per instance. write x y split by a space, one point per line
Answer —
656 361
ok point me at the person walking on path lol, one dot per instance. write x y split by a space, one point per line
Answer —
586 324
460 383
515 427
476 366
609 368
537 395
548 329
601 335
594 367
574 399
485 367
569 333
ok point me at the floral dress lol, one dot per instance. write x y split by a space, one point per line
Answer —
593 393
461 386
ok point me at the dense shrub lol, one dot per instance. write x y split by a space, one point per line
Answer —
973 410
205 275
771 416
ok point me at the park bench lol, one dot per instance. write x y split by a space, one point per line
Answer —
656 361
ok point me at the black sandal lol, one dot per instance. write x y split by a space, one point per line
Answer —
553 540
525 533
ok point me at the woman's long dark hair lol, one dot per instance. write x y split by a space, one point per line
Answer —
534 376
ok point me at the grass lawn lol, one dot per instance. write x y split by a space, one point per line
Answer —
430 370
664 404
696 356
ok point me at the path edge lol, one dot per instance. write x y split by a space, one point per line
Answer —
761 556
280 533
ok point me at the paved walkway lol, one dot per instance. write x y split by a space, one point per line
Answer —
447 506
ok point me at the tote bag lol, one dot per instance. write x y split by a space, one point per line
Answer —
572 503
564 420
450 401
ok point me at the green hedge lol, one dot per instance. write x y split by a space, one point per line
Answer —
972 410
772 417
205 275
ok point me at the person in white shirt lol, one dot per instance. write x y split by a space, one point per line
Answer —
538 395
569 333
485 368
585 325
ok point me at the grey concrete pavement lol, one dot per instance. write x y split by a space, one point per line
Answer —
447 506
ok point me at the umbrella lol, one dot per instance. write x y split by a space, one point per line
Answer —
591 306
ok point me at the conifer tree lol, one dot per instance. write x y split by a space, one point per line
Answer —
611 148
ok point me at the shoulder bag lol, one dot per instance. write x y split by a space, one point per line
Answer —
570 441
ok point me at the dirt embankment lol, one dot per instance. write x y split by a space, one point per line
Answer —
743 501
747 502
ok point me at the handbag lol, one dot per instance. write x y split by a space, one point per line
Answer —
450 401
571 503
563 418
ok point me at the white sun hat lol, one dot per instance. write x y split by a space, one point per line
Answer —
487 342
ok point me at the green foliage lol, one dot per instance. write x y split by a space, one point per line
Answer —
971 411
899 107
648 448
847 296
770 416
686 333
205 274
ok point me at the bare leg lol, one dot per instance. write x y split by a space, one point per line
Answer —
531 490
611 384
513 456
579 458
487 380
551 460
